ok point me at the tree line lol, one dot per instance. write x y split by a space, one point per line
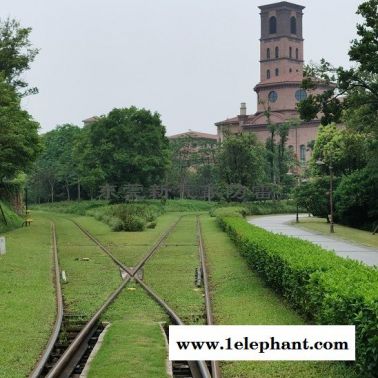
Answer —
349 152
128 148
19 140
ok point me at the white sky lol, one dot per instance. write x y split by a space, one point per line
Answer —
193 61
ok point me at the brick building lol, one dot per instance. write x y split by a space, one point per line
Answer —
281 74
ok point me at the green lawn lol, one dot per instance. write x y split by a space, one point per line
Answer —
241 297
171 272
27 298
134 345
89 282
128 247
342 232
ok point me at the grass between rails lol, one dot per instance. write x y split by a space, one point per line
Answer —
27 298
342 232
171 272
89 282
134 345
128 247
240 297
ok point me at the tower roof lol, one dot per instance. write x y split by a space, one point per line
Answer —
282 4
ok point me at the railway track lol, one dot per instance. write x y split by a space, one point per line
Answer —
215 370
67 362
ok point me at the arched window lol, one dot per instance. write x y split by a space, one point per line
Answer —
290 52
277 52
267 53
268 74
293 25
272 25
277 71
296 54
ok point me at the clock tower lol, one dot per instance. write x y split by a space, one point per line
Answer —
281 57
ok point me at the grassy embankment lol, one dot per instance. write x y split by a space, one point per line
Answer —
12 220
241 297
343 232
27 298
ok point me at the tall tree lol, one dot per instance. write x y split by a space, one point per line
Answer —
19 142
240 160
16 54
131 146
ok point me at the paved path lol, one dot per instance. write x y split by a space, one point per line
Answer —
279 225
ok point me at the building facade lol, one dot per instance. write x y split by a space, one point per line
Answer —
281 74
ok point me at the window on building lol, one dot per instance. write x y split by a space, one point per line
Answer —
290 52
302 152
300 95
290 70
277 72
268 74
272 25
273 96
293 25
296 54
277 52
267 53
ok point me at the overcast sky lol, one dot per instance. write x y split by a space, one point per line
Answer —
193 61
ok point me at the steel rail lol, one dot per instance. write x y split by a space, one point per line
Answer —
60 368
64 366
59 306
157 245
200 366
103 248
215 369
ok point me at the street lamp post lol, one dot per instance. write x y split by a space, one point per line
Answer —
297 186
321 162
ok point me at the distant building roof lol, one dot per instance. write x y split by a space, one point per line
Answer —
228 121
196 135
90 120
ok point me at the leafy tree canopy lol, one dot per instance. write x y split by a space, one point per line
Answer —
19 142
240 160
342 148
130 146
16 53
348 89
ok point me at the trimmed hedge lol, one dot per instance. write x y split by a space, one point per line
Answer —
324 287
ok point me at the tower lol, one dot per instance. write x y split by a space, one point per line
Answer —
281 57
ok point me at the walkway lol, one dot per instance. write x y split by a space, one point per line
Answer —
279 224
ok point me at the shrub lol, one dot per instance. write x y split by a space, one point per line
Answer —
151 225
134 223
324 287
115 224
236 211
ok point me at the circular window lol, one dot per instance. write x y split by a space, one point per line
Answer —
300 95
272 96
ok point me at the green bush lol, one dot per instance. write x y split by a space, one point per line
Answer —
325 288
235 211
356 200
